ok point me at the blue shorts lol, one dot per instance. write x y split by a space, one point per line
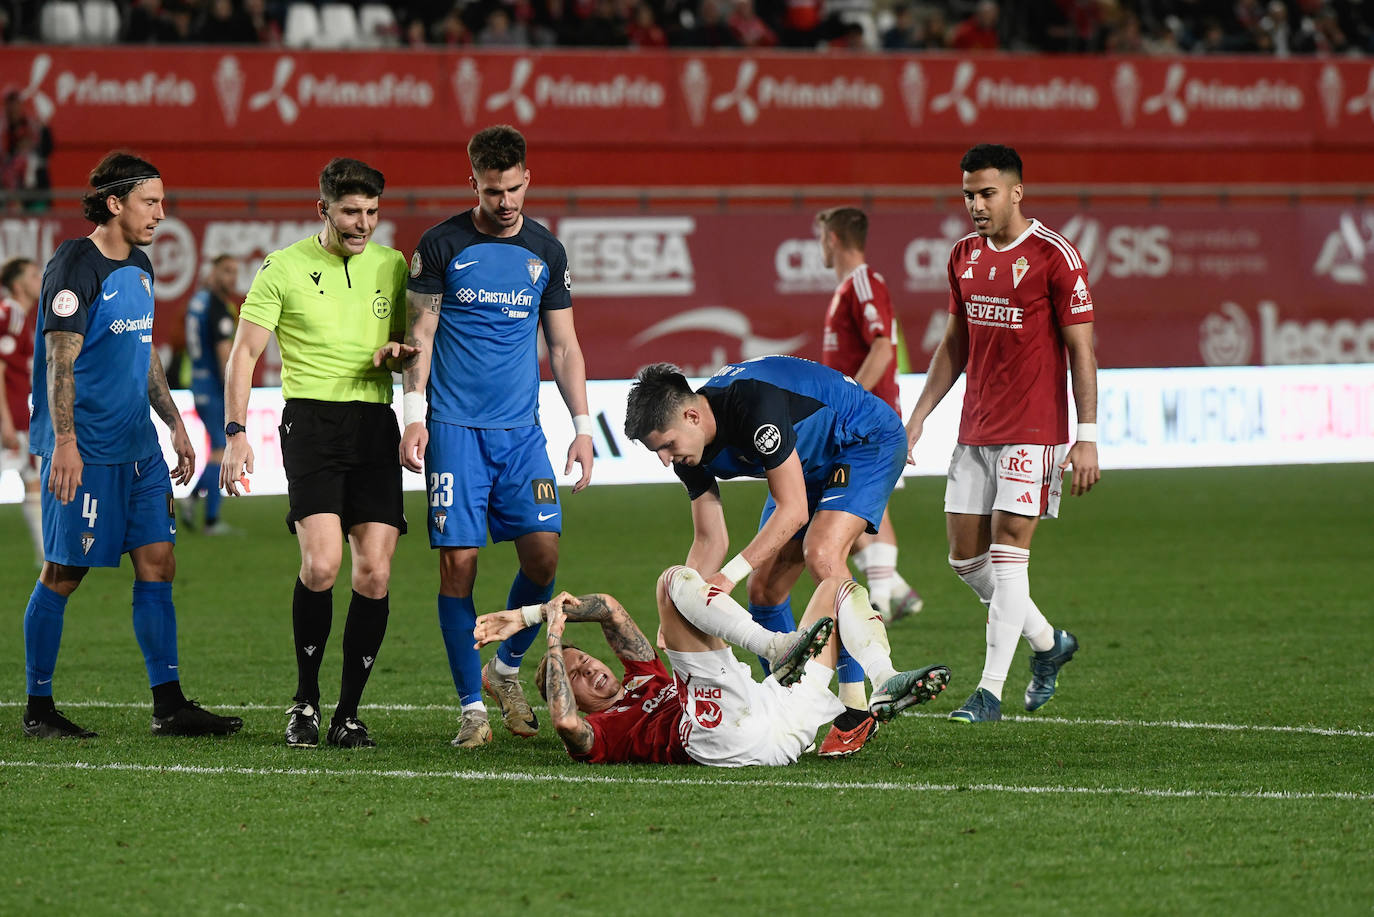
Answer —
210 409
117 508
488 480
859 483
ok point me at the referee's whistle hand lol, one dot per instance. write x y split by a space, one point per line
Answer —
393 350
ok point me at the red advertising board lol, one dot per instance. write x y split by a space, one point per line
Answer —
1174 286
219 100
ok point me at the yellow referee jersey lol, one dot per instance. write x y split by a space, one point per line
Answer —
330 315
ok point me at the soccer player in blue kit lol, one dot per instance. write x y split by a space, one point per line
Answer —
831 453
106 490
209 337
481 285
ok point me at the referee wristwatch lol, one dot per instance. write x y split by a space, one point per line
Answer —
233 427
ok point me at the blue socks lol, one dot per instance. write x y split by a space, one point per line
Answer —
209 485
848 668
777 618
523 591
155 626
42 636
456 620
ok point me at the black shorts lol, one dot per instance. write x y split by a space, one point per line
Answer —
342 457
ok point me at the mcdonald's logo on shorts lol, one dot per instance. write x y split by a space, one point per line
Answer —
544 490
839 477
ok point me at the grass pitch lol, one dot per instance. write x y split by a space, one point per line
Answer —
1211 750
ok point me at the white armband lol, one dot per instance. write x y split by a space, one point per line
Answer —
737 569
532 614
582 425
414 408
1087 433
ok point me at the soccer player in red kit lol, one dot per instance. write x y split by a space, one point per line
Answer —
21 281
860 341
709 709
1019 302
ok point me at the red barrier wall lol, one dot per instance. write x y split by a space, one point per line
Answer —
216 117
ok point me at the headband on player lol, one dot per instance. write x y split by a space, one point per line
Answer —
126 181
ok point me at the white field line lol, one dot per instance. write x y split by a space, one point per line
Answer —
585 777
1061 720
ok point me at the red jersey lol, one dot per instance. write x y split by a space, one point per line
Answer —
643 726
1014 302
860 311
16 352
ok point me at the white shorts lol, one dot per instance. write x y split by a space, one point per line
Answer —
730 720
20 459
1025 480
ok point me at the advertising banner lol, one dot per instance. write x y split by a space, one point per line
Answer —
1147 418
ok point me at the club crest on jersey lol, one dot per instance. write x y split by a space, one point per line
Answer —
536 269
440 520
636 682
767 439
1018 270
87 539
973 255
416 265
147 284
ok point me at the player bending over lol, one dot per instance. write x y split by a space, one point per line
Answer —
711 710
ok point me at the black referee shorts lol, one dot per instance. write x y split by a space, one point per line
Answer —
342 457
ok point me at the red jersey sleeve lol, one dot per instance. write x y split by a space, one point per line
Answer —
1069 293
956 300
871 306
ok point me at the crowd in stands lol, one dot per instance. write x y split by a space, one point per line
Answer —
1277 27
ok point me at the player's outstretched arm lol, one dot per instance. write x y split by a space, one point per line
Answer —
948 361
1078 339
627 641
710 535
575 732
570 374
64 474
160 397
422 320
250 340
787 485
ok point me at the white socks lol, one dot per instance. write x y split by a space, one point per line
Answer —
33 516
878 562
863 634
1007 614
718 615
977 573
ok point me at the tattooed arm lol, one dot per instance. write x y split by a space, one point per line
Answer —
575 732
422 319
64 476
625 638
160 397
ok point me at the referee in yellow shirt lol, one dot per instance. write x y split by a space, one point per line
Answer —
335 302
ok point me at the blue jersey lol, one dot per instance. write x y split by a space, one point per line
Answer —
110 303
484 369
767 407
207 323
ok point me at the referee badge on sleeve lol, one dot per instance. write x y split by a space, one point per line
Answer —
416 265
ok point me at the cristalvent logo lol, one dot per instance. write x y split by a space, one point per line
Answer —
389 91
786 93
121 325
630 256
527 94
969 95
74 88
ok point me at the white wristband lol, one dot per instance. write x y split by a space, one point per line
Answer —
414 408
737 569
582 425
1087 433
532 614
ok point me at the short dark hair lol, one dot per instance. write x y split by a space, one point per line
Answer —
12 269
119 173
541 674
849 224
349 176
499 147
992 156
221 258
658 393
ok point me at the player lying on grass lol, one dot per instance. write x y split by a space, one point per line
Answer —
711 710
